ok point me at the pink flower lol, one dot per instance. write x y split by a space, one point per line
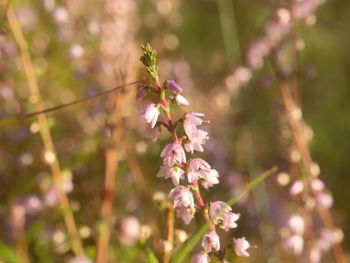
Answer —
210 178
129 230
200 169
324 200
220 213
296 223
196 169
198 138
328 238
181 197
295 243
185 213
175 173
172 85
150 114
200 258
149 132
314 255
181 100
317 185
211 241
140 94
297 188
191 121
173 153
240 246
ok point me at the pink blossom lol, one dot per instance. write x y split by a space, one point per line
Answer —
191 121
140 94
328 238
297 188
200 258
181 100
240 245
175 173
173 153
220 213
172 85
317 185
200 169
198 138
295 243
296 224
181 196
185 213
196 168
324 200
211 241
150 114
228 220
149 132
129 230
314 255
210 178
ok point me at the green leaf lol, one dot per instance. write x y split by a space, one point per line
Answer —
150 256
190 244
7 253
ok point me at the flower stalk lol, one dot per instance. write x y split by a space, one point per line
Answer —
177 165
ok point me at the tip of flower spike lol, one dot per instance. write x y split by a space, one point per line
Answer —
149 55
149 60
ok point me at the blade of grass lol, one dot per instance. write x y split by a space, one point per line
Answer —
190 244
7 253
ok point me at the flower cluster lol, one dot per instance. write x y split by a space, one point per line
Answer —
299 238
180 167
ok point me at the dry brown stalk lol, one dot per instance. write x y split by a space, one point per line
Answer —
45 131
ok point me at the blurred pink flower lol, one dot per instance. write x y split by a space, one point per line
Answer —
295 243
317 185
240 245
211 241
129 230
185 213
220 213
172 85
324 199
181 100
296 224
297 187
200 258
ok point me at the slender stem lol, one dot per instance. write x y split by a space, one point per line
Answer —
170 234
114 107
22 247
137 173
45 131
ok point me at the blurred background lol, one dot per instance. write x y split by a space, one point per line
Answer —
80 48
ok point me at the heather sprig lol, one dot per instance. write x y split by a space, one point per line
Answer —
187 173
